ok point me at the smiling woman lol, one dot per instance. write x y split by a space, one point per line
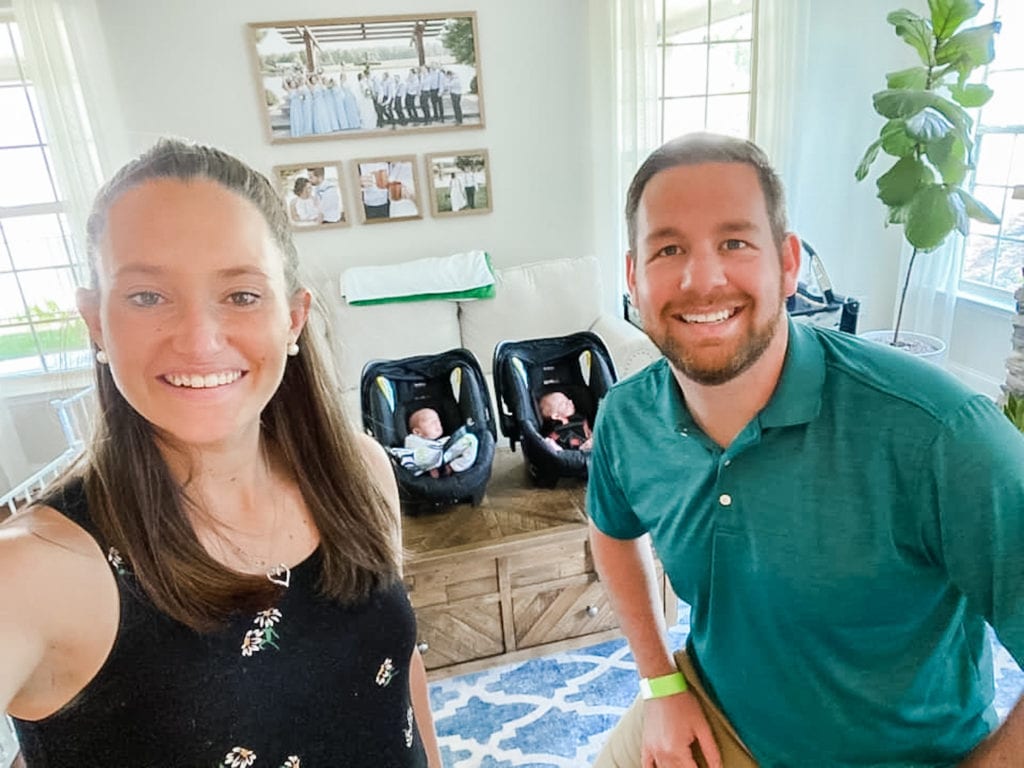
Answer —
224 506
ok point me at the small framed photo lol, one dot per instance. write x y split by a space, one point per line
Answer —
312 194
460 182
388 189
367 76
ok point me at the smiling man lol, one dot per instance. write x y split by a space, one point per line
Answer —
842 518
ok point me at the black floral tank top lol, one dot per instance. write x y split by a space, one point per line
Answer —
305 683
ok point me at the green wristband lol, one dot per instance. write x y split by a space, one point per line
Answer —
666 685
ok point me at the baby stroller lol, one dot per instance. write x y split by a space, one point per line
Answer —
451 383
578 365
814 301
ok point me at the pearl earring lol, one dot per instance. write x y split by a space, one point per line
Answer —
101 357
293 349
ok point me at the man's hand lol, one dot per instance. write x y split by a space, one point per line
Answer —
671 726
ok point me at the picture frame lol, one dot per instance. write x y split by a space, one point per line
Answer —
363 76
313 195
389 189
459 183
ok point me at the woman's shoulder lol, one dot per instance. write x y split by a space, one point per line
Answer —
40 540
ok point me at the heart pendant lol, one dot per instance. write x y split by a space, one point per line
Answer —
281 575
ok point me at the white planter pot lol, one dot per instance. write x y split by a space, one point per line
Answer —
930 348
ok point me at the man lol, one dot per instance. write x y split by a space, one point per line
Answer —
841 517
327 195
455 91
412 92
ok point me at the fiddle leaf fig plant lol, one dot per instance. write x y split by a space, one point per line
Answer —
928 130
1014 410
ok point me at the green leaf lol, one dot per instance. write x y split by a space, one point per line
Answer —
1014 409
949 156
971 95
897 215
963 221
869 157
973 47
915 31
961 121
901 182
930 218
899 103
914 79
947 15
895 140
928 125
976 209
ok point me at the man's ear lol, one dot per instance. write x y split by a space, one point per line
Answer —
631 277
88 303
789 257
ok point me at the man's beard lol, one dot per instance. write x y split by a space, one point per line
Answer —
692 364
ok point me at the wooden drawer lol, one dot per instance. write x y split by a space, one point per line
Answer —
460 631
549 563
450 582
568 608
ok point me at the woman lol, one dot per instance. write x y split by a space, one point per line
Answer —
217 582
303 207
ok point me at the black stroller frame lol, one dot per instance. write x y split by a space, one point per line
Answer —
452 383
524 371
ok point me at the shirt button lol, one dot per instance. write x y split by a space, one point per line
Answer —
728 462
725 500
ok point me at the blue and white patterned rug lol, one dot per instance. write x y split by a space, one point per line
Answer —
557 710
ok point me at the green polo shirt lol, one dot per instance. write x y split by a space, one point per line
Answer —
840 557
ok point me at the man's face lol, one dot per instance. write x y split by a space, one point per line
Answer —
706 276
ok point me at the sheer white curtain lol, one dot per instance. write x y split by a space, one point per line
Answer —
932 293
624 89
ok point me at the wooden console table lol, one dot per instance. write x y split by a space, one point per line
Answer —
509 580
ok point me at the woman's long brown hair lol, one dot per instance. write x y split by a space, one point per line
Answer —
142 510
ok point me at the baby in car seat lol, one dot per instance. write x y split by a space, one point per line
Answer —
562 427
428 450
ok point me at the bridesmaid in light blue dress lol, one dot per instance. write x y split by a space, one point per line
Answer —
305 108
324 119
351 106
337 104
294 95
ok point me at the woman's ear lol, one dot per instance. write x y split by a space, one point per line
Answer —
299 311
88 303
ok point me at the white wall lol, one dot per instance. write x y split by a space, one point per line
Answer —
185 68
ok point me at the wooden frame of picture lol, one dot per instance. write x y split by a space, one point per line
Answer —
313 194
459 183
364 76
389 189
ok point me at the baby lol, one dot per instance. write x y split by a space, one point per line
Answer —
562 427
428 450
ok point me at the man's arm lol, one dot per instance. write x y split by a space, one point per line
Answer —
671 723
1004 748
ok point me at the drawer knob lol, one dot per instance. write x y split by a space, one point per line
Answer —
422 647
592 611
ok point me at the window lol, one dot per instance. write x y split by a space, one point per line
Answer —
705 72
994 254
40 330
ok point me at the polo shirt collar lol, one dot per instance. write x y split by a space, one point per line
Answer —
796 400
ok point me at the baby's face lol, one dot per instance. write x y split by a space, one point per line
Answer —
426 423
557 406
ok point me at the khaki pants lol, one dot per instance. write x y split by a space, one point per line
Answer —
622 750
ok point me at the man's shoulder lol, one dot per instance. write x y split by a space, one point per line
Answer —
640 391
880 373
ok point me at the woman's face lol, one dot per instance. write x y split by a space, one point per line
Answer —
192 308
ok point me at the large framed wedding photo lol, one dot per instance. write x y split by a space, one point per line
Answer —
381 75
388 189
312 193
460 182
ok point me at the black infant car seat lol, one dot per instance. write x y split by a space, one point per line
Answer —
524 371
451 383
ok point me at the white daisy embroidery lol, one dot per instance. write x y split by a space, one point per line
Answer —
292 762
115 559
240 757
386 673
252 643
267 618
